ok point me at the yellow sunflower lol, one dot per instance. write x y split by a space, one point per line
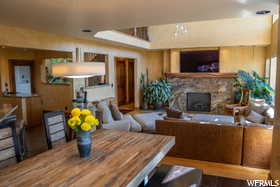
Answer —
85 126
76 112
86 112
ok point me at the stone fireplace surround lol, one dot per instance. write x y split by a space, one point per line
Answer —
219 85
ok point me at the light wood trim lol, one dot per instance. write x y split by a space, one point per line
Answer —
126 81
200 75
219 169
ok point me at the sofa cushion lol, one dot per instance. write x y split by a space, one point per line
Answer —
117 115
123 125
134 125
106 112
255 117
148 120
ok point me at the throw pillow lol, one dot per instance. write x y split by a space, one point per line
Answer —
255 117
259 107
117 115
106 112
174 114
270 112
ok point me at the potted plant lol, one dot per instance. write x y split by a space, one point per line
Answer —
143 85
82 123
157 93
257 85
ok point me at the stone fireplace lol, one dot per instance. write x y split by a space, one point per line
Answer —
198 102
201 92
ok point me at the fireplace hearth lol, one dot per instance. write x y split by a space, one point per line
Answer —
198 102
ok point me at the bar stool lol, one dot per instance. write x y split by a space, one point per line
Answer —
175 176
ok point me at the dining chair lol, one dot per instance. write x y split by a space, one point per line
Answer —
9 144
175 176
55 128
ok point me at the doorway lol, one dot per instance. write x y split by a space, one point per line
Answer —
125 83
21 76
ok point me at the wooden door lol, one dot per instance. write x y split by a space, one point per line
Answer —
125 81
121 81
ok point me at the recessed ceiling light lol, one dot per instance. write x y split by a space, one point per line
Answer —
263 12
86 30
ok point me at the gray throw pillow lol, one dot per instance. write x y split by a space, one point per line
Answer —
255 117
259 107
117 115
106 112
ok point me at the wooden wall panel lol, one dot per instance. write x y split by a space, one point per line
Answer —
232 59
275 160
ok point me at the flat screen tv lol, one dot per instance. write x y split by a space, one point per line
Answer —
199 61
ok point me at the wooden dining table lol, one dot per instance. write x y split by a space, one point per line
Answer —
119 158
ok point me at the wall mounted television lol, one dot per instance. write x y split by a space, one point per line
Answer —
199 61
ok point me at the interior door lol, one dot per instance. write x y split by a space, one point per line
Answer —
23 79
121 81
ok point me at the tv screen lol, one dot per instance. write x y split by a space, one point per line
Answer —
199 61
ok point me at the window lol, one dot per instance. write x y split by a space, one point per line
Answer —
271 69
96 80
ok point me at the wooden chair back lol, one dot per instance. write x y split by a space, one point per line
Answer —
9 144
55 128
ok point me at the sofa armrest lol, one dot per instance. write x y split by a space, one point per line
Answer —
118 125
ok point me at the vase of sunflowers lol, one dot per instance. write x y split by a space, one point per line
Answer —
82 121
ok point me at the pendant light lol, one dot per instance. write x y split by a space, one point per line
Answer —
78 69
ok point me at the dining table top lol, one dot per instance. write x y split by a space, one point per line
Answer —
119 158
6 110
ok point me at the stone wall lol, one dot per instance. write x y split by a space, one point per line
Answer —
221 90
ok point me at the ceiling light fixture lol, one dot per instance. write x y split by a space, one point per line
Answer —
180 30
263 12
78 69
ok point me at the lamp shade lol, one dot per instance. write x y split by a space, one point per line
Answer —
78 70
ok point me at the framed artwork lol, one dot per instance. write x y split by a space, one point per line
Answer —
46 74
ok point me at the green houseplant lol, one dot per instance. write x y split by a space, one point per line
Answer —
157 93
258 86
143 85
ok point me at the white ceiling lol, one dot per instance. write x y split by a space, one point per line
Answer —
70 16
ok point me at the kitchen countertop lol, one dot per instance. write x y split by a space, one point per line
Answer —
19 95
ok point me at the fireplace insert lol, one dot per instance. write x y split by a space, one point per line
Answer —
198 102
